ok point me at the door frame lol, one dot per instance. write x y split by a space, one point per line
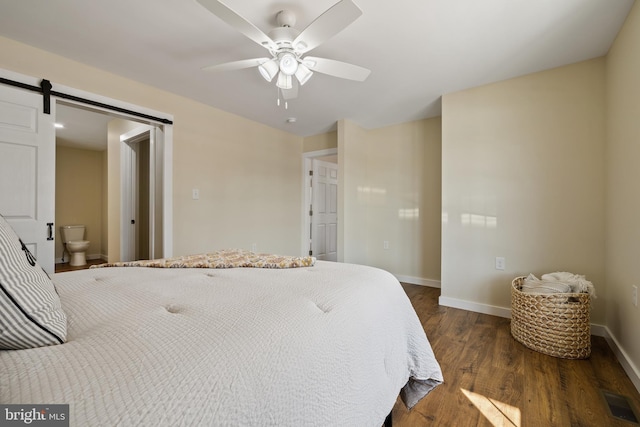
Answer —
129 197
129 192
165 153
307 165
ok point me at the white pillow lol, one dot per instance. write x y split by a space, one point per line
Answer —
30 311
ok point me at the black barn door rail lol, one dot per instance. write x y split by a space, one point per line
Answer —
45 89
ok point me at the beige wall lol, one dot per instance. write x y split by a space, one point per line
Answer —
523 178
79 176
351 240
323 141
623 178
390 191
250 182
249 175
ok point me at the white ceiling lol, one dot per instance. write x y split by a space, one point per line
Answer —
85 129
417 50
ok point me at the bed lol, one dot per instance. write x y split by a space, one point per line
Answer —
326 344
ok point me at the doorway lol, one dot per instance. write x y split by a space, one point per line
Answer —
141 185
81 179
320 234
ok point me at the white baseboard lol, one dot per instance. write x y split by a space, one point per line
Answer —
418 281
476 307
598 330
629 367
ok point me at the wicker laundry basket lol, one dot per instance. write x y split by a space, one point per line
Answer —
556 324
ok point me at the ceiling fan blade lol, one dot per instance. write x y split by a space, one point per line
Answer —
336 68
327 25
234 19
236 65
292 93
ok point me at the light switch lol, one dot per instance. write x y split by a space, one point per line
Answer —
195 194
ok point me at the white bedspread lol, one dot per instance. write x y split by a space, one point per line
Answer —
327 345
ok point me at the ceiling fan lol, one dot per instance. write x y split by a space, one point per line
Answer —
288 46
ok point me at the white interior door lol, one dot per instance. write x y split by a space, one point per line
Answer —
27 171
324 220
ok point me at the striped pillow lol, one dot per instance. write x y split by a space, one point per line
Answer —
30 311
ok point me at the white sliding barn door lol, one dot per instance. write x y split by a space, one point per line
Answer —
27 171
324 221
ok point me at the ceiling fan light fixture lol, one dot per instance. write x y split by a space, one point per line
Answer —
269 69
284 81
288 64
287 45
303 74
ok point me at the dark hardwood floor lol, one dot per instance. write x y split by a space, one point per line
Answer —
62 267
492 380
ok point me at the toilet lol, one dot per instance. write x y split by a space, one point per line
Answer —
72 240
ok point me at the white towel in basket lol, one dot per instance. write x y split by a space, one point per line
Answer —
559 282
533 285
577 282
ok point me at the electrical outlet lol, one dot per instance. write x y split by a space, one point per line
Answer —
634 295
254 247
385 245
500 263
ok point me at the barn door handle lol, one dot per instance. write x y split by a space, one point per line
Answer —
50 227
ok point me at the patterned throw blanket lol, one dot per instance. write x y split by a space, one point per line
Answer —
228 258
